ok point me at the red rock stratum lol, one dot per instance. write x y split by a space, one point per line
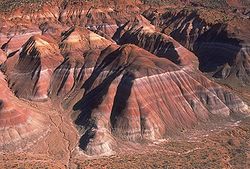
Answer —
84 79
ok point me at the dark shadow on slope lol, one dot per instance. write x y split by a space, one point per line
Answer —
187 19
181 33
120 101
130 36
88 135
67 33
28 69
154 43
100 68
1 105
169 18
5 46
215 48
92 98
59 78
117 35
165 49
12 54
88 103
29 56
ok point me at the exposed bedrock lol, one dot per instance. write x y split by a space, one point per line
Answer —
217 48
218 39
29 71
20 126
78 39
44 66
11 43
81 49
3 56
117 92
143 90
52 16
160 45
135 95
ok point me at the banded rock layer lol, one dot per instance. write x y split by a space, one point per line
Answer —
112 92
30 69
20 125
137 95
159 44
202 31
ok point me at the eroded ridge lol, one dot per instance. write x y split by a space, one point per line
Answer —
20 125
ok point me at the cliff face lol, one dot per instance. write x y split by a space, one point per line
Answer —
103 77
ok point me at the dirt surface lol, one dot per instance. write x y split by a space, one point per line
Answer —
223 147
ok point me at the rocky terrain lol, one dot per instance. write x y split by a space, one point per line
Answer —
203 30
108 84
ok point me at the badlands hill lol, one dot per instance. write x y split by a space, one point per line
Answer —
203 30
83 80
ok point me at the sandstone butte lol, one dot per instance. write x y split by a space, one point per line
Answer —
80 80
